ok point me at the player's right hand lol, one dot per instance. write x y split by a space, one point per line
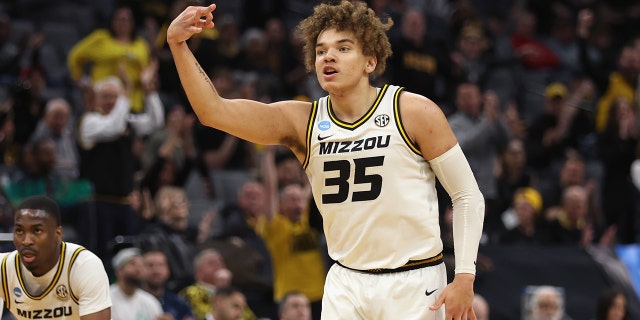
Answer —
190 21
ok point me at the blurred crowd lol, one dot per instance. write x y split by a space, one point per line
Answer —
542 97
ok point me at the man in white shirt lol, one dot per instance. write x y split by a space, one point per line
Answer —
107 132
129 301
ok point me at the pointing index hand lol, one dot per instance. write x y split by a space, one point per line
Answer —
204 15
189 22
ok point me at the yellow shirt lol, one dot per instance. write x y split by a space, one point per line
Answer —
200 298
296 257
105 54
618 87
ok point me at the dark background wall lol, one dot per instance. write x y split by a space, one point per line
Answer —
577 270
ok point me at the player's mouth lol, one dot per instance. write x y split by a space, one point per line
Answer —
327 71
27 256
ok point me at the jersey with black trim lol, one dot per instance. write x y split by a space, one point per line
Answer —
56 301
374 189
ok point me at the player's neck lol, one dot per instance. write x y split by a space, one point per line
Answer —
351 106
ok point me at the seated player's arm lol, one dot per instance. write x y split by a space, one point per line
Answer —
90 283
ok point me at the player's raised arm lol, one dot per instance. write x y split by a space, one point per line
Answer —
251 120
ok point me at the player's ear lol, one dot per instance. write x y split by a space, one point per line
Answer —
59 233
371 64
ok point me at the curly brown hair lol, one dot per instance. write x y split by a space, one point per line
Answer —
350 16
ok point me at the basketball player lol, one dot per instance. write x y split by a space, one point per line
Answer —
46 278
372 156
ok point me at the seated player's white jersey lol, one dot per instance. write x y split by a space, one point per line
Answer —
56 298
372 185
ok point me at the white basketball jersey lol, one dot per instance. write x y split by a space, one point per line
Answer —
57 301
374 189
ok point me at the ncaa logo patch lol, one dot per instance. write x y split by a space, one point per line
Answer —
17 292
62 293
382 120
324 125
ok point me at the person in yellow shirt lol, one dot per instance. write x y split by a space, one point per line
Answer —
296 257
620 86
116 51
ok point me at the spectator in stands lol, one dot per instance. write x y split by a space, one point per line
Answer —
58 124
471 58
211 275
116 51
294 306
228 304
536 61
173 235
513 173
612 305
516 126
573 222
563 42
106 133
245 252
37 176
482 135
546 303
419 62
293 245
617 150
598 48
622 82
506 79
227 48
170 152
219 150
572 172
528 226
223 156
253 62
26 104
167 74
526 42
558 127
129 300
288 168
155 283
280 54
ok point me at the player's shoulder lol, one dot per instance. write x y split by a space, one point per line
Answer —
72 247
6 254
413 104
292 108
80 253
